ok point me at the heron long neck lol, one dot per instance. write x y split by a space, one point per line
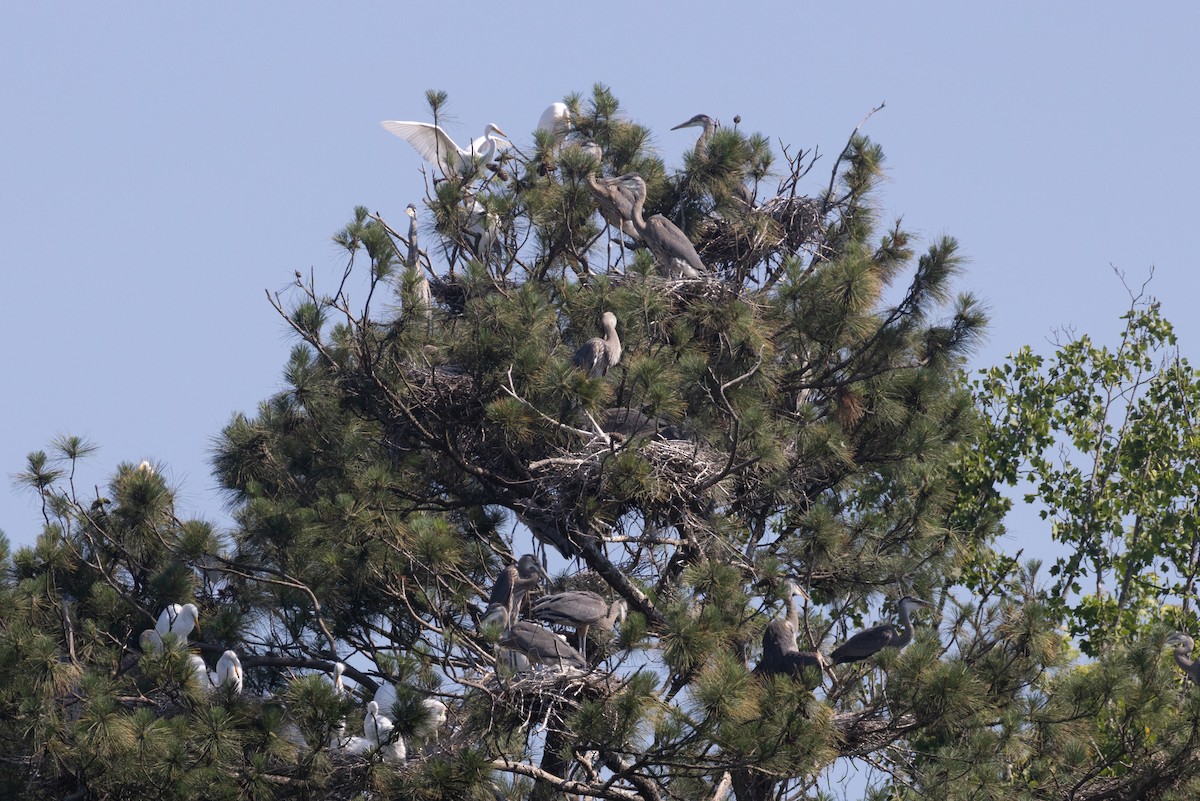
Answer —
639 200
614 612
906 628
412 243
705 135
1182 657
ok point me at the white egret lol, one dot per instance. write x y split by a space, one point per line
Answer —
435 717
229 671
378 729
556 120
200 671
436 147
179 620
146 468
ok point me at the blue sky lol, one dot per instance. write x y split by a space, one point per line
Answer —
162 165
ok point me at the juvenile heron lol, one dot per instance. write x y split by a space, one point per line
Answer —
781 656
536 642
675 253
580 609
179 620
700 121
598 355
868 642
516 580
1183 647
436 146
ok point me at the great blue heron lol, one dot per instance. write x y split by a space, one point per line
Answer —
626 423
580 609
870 641
1183 648
615 201
483 230
516 580
700 121
675 253
436 146
598 355
379 733
555 120
781 656
496 618
229 671
536 642
179 620
422 297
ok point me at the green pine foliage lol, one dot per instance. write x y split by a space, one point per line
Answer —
797 414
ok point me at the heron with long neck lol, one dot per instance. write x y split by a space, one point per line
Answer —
781 656
615 201
422 296
581 610
700 121
516 580
599 354
868 642
676 255
534 642
1183 649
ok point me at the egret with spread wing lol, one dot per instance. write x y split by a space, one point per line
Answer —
436 147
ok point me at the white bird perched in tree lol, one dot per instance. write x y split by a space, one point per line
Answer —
597 356
201 672
146 467
378 729
436 147
179 620
435 717
229 671
556 120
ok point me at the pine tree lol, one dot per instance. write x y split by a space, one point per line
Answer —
796 414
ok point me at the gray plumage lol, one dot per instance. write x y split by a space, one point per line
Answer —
675 253
422 296
701 121
868 642
581 610
535 642
615 201
598 355
626 423
781 656
1183 648
514 581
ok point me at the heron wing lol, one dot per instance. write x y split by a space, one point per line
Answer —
434 145
667 236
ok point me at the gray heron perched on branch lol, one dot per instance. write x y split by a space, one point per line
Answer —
781 656
580 609
868 642
436 146
614 199
675 253
422 296
701 121
516 580
534 641
598 355
1183 649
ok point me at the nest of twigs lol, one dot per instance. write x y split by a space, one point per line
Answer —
734 246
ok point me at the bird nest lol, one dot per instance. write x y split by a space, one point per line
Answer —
520 701
733 247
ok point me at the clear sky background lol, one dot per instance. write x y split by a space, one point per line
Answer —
162 164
